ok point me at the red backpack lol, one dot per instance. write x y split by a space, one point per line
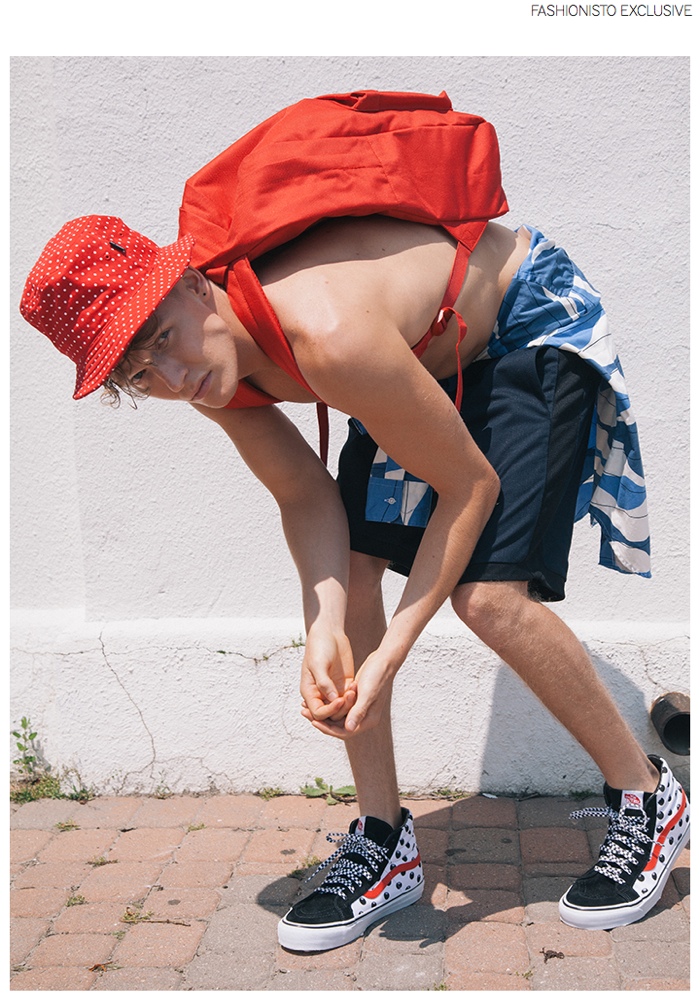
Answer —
409 156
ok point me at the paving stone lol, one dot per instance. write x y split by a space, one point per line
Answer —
640 960
337 818
237 811
73 949
575 974
681 874
42 814
54 978
479 876
484 904
435 889
481 811
25 845
240 928
212 845
294 811
281 869
112 812
415 929
151 844
570 870
279 846
406 972
485 981
196 874
656 985
543 912
488 947
238 951
663 923
178 904
556 936
78 845
159 945
237 970
176 810
346 957
36 902
123 882
550 811
429 814
485 844
139 979
52 875
433 845
311 979
260 889
554 844
95 918
543 894
25 934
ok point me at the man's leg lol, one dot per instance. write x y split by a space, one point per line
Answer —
371 754
646 805
549 658
376 870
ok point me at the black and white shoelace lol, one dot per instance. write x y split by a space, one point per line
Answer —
347 874
626 839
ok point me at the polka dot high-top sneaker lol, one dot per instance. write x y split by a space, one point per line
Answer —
647 832
374 872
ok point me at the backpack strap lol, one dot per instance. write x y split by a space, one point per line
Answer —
253 309
447 311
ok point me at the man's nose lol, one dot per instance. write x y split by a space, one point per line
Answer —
172 373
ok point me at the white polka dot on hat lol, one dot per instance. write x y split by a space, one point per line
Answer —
94 285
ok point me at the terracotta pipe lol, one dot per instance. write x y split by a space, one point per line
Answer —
670 715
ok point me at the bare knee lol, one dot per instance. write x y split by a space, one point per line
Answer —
365 581
490 608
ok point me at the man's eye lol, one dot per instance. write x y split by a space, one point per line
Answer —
137 377
163 338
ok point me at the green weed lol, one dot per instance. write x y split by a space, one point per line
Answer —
333 795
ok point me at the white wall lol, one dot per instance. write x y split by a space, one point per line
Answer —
147 524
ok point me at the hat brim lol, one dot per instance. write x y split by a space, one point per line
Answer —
113 341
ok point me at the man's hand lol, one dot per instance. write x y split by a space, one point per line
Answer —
366 700
327 687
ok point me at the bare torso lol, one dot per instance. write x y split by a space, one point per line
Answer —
396 269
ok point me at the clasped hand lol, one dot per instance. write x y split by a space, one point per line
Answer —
335 700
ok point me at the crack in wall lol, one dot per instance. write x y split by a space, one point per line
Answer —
121 684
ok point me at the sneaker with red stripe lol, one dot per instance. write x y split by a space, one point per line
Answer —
647 832
374 872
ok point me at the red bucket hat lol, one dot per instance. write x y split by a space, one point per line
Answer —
94 285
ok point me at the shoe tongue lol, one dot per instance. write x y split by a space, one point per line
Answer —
627 799
376 829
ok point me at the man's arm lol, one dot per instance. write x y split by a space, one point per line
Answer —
316 531
369 371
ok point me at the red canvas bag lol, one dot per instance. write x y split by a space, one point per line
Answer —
405 155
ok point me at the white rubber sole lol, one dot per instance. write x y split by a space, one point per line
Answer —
324 937
605 919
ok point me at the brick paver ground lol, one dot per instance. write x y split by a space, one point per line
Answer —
184 893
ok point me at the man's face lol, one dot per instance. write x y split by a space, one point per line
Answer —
193 355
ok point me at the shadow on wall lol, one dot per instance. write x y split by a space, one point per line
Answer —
524 739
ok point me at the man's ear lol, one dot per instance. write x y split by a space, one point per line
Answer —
194 281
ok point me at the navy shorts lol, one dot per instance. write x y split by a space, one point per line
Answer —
530 413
